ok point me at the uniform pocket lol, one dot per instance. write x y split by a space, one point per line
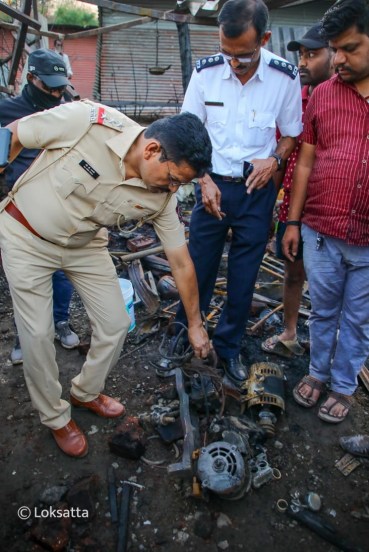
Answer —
70 177
261 127
216 115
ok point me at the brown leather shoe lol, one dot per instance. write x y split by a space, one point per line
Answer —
102 406
71 440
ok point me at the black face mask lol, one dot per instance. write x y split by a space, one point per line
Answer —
42 99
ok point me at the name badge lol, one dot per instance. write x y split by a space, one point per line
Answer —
90 170
215 104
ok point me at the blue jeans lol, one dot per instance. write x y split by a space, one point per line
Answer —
62 294
338 277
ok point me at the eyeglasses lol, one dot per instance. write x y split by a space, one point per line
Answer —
241 59
172 180
49 89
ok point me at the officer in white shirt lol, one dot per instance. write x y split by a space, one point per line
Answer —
242 94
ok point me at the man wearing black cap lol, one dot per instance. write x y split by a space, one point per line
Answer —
315 67
46 83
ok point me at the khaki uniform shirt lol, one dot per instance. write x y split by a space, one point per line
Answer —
77 185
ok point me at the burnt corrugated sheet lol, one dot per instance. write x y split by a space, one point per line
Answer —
127 55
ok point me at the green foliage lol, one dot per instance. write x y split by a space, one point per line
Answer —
70 14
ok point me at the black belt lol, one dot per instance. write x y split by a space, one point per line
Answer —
227 178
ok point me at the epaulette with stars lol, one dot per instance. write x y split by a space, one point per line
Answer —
210 61
284 66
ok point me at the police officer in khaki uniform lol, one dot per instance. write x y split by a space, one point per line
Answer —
98 168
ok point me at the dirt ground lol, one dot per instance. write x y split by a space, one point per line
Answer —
163 514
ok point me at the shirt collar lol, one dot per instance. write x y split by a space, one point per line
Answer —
120 145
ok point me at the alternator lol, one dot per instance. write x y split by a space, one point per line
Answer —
222 470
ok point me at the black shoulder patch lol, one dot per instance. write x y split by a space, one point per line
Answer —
210 61
284 66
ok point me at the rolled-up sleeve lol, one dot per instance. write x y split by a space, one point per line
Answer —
194 98
168 227
289 119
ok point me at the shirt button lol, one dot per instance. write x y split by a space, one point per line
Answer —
364 161
353 211
359 185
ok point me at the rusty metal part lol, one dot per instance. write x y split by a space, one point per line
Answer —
156 263
347 464
184 467
265 385
140 243
167 287
149 298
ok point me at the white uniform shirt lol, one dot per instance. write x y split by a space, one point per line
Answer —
242 119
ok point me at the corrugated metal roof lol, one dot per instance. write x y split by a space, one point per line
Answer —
127 55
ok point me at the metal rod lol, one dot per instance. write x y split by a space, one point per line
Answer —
124 518
112 495
277 274
262 320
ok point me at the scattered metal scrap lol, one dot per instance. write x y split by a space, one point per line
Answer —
347 464
145 290
221 455
302 512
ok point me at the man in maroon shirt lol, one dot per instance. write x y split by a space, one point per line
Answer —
331 193
315 67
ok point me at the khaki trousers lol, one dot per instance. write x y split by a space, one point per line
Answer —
29 263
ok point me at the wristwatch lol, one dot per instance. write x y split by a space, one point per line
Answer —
279 160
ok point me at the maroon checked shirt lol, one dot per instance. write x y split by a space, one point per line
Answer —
337 122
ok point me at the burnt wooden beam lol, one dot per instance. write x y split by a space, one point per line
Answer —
110 28
19 44
185 53
153 13
23 17
15 27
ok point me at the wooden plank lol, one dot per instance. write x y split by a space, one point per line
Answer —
155 14
110 28
19 45
15 27
23 17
